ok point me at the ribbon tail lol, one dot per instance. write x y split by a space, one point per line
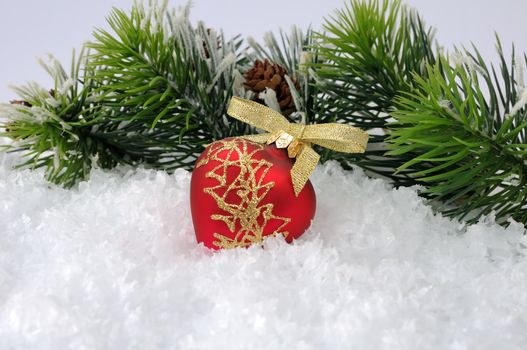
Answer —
304 165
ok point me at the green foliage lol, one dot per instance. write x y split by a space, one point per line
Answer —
372 50
153 92
53 129
167 83
468 125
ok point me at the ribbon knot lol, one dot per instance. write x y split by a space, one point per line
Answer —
297 138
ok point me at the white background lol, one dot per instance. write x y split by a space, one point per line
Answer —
30 29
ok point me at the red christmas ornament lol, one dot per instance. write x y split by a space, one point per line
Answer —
242 191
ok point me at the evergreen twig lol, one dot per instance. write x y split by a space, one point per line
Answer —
167 83
153 92
372 50
53 128
468 123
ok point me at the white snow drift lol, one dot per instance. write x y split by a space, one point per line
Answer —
114 265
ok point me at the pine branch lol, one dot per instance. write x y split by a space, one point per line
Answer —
468 123
51 128
153 92
168 82
371 51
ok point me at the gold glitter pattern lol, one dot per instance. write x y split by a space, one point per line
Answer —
240 199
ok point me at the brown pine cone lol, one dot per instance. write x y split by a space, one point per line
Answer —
271 75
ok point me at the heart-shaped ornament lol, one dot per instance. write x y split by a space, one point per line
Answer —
242 191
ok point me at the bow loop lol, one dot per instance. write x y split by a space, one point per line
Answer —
257 115
297 138
337 137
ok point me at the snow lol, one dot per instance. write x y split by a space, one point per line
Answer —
114 265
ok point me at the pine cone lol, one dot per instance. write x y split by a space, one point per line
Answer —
271 75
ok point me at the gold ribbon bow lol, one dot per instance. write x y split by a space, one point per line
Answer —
297 138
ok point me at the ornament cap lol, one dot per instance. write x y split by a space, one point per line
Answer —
281 139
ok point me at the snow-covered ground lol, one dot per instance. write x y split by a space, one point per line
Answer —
114 265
